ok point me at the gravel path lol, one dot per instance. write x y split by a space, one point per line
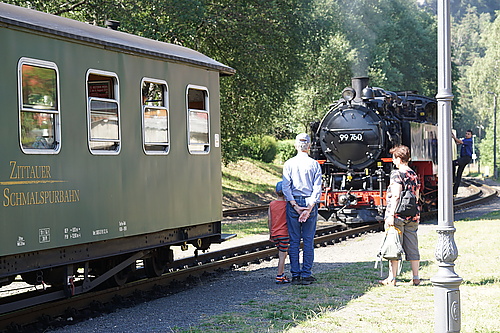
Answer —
234 288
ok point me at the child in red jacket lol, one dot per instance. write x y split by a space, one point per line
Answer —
279 231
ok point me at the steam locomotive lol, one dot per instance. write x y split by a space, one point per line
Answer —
352 144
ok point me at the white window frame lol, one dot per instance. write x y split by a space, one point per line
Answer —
116 99
206 146
166 107
56 112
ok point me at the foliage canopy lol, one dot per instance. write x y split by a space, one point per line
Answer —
294 57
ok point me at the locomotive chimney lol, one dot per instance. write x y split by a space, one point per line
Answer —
358 84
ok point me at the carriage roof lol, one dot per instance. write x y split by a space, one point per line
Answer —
15 16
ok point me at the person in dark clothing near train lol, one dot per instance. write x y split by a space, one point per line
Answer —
465 158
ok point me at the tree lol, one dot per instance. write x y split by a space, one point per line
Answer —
263 40
482 77
327 74
293 57
395 43
466 47
391 41
459 8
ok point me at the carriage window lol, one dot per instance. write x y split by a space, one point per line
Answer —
103 112
155 118
198 120
39 106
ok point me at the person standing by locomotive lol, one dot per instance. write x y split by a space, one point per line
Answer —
465 158
302 190
278 231
402 177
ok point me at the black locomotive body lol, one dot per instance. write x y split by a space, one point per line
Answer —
352 144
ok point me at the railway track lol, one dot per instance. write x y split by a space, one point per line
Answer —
479 193
181 274
244 210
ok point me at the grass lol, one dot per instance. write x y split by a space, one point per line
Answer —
250 176
245 229
346 299
249 182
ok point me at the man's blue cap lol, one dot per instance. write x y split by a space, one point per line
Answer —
279 187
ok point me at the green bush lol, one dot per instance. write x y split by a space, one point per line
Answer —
286 150
262 148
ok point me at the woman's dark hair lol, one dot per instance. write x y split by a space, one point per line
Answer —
402 152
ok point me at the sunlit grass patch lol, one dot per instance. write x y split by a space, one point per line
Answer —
250 177
245 229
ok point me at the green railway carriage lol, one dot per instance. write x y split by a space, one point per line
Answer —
110 148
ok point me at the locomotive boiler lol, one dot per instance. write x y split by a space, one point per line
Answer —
352 144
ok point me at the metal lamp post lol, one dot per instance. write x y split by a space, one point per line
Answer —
446 282
495 175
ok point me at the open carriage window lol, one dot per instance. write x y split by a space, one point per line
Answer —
39 114
155 116
103 111
198 120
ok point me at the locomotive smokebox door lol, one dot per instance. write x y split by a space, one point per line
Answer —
352 137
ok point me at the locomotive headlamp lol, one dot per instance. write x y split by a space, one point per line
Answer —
348 94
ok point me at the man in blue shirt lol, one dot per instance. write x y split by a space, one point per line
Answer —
465 158
302 190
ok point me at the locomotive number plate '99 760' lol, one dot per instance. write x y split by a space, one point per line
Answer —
350 137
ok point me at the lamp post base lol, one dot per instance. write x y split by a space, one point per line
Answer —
446 283
447 300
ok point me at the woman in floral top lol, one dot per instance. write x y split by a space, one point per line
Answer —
403 176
